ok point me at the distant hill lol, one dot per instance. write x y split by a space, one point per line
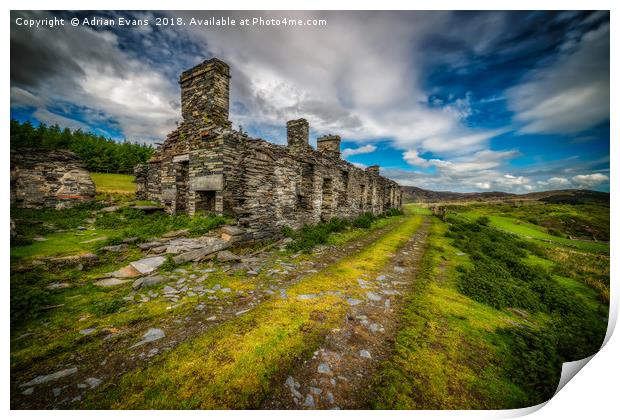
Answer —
420 195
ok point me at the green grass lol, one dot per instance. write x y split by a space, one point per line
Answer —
54 333
462 345
65 243
417 209
62 237
114 183
309 236
529 230
445 354
236 364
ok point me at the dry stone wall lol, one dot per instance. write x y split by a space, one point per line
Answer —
49 178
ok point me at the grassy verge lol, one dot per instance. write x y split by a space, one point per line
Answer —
444 356
235 364
310 236
487 325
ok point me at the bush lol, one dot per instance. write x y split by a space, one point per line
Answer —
364 221
27 297
168 265
533 362
108 307
311 235
288 232
498 277
394 212
483 220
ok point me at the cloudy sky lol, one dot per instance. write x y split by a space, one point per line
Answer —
461 101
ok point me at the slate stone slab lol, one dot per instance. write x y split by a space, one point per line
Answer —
110 282
153 334
149 281
51 377
148 265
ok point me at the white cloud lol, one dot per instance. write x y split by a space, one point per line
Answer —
571 94
366 86
90 74
558 182
589 181
368 148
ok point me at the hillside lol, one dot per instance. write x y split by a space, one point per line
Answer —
420 195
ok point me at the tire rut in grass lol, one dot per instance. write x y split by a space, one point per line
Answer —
337 376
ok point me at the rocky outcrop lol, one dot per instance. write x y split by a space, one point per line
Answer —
49 178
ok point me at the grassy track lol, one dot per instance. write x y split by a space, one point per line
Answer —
456 352
444 355
235 364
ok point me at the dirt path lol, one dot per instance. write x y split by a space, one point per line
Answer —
338 374
111 354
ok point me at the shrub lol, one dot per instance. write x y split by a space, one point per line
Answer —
533 362
168 265
27 297
483 220
394 212
499 277
288 232
108 307
364 221
311 235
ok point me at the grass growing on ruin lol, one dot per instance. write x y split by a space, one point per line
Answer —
236 364
114 183
130 222
464 344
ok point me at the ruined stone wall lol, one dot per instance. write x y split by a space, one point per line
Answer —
206 167
268 186
49 178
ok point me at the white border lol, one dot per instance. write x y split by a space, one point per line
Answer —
593 393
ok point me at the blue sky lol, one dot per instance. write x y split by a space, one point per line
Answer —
461 101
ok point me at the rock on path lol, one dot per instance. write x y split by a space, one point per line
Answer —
153 334
51 377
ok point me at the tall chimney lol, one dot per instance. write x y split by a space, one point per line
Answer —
205 92
298 134
329 145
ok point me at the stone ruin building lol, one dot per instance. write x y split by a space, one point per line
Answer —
49 178
204 166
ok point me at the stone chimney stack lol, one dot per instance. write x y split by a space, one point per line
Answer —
205 92
329 144
298 134
374 169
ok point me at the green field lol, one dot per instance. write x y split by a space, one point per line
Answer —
114 183
530 230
